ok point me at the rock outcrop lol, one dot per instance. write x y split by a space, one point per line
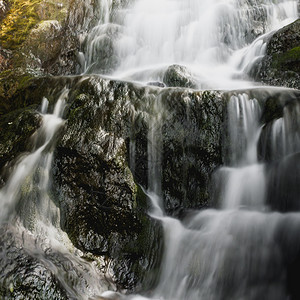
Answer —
281 65
116 134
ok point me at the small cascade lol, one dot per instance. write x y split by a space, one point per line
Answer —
243 180
243 129
155 148
11 194
243 250
30 219
284 134
97 54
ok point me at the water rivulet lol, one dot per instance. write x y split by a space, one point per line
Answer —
153 187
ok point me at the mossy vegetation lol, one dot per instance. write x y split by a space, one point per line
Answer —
17 24
289 60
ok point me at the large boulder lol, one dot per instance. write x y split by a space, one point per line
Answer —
281 64
25 275
118 140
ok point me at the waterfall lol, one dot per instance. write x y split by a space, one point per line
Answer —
245 247
218 40
242 250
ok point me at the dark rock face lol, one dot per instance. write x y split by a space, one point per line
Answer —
102 210
191 148
178 76
281 65
23 274
16 129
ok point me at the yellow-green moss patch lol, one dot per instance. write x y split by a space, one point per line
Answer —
289 60
18 22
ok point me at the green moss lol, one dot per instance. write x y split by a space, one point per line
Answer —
289 60
18 22
54 10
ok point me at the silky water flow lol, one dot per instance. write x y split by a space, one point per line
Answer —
217 40
31 218
243 249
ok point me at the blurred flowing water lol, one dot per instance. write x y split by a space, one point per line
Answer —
244 249
30 219
218 40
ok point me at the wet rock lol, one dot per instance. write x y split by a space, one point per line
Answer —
114 134
16 129
178 76
102 210
156 83
23 274
281 65
192 138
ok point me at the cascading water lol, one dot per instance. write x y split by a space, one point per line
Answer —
31 217
217 40
239 251
243 250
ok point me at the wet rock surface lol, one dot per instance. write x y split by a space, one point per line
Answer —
24 275
178 76
16 129
281 65
97 169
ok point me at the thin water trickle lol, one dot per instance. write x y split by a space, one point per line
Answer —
33 219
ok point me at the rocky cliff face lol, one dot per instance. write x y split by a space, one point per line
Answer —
103 207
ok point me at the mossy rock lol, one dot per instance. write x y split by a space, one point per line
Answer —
17 24
281 64
287 61
11 82
39 40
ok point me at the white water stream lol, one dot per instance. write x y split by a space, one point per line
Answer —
217 40
32 216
